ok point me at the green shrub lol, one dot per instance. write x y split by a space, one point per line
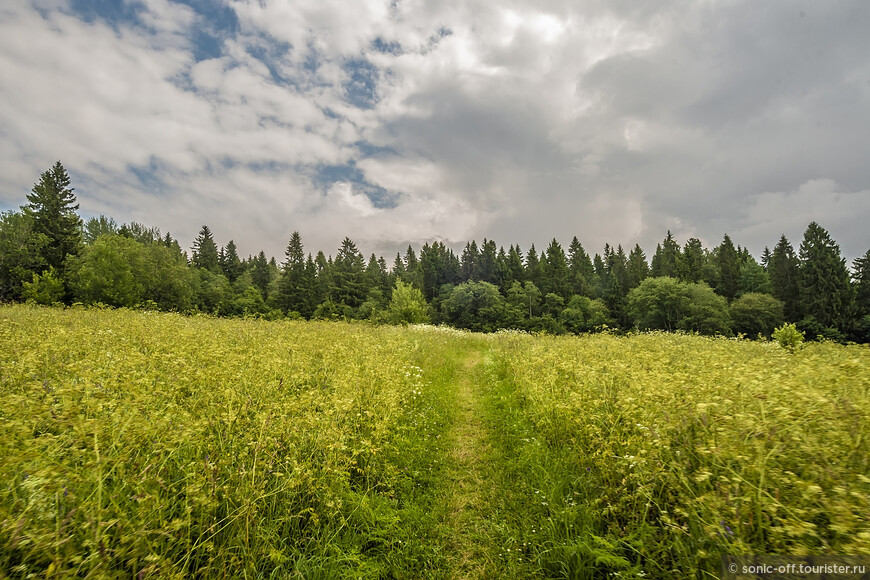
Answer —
788 337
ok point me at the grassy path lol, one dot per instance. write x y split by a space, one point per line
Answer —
465 484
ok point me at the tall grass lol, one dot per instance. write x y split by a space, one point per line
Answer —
655 454
153 445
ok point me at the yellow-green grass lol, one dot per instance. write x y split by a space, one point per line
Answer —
655 454
138 444
153 445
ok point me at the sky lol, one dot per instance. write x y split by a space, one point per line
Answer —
410 121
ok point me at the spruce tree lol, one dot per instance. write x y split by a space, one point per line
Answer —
556 274
205 251
533 267
691 266
729 269
230 263
261 273
294 293
52 207
784 270
582 271
861 277
826 295
667 257
637 269
515 264
470 257
486 262
348 280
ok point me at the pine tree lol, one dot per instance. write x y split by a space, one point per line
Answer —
784 271
52 207
826 295
205 251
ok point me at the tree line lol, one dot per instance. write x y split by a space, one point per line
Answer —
49 255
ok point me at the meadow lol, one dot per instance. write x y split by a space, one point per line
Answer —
140 445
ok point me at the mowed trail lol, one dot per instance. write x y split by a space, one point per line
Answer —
466 492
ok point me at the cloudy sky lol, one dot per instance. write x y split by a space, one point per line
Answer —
404 121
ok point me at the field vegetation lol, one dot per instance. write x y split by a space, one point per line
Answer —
140 444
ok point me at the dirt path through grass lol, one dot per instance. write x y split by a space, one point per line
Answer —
465 491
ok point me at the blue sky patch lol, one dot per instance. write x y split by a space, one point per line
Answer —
362 84
327 175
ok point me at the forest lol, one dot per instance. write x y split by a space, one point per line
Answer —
49 255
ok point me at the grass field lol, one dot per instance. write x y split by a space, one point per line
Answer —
146 445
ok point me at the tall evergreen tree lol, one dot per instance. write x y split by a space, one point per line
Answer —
784 271
295 293
515 264
348 275
533 267
600 279
729 269
582 270
665 260
205 251
637 269
826 295
691 266
52 209
556 276
261 273
470 256
230 263
486 262
413 275
861 277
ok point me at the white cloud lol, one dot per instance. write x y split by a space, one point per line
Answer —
517 121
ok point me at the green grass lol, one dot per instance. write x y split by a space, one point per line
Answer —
145 445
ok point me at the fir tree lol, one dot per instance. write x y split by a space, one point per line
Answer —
861 277
826 295
582 270
728 261
205 251
637 269
52 209
230 263
556 277
261 273
691 266
294 292
348 280
783 268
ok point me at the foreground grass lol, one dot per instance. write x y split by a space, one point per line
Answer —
654 455
154 445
